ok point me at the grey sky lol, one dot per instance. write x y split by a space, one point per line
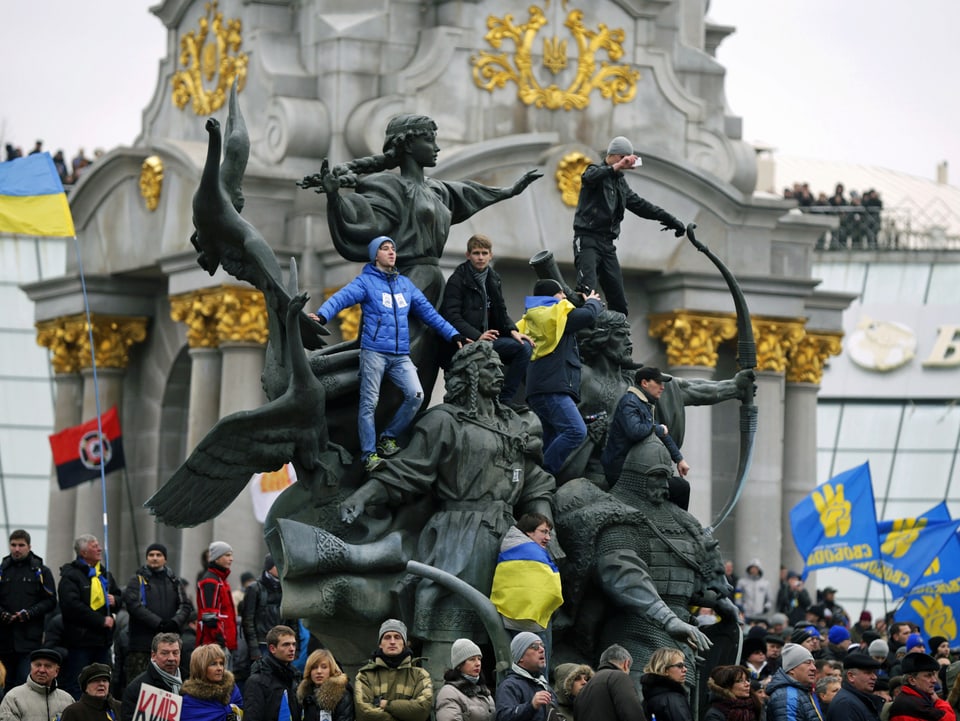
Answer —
865 81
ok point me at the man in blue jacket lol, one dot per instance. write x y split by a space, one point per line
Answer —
386 299
553 376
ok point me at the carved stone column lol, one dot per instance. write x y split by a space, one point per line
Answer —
242 331
61 339
759 514
200 311
113 337
804 373
692 340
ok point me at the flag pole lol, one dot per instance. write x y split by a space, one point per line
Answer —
96 395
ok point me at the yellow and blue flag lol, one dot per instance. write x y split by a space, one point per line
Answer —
908 547
836 525
934 601
526 584
32 200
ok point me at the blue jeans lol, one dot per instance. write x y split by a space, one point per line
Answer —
399 369
563 427
516 358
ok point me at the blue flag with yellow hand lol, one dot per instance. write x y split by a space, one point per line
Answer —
934 602
908 547
836 525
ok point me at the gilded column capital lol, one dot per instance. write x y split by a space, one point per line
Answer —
692 337
69 341
776 339
225 314
242 316
807 360
198 310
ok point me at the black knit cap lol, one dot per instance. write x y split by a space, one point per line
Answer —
156 547
547 286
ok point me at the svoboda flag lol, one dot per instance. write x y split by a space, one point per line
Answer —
836 525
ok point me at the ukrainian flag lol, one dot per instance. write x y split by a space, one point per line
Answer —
526 584
32 201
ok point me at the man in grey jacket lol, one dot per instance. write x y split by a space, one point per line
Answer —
39 697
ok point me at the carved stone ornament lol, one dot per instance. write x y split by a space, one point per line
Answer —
569 170
807 360
692 339
151 181
616 83
69 342
208 59
777 339
199 311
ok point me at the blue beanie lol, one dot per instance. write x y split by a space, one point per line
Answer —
375 245
914 640
838 634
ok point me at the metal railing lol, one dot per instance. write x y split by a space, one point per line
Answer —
887 229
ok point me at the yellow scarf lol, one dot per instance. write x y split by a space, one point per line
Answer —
97 597
545 324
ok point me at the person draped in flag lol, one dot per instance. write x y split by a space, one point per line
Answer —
553 376
526 583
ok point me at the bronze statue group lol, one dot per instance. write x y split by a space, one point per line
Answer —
462 489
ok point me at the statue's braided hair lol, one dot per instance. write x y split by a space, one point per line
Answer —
400 130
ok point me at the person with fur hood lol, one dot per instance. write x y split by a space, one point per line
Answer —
325 692
464 696
210 693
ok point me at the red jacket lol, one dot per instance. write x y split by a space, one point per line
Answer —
216 614
911 705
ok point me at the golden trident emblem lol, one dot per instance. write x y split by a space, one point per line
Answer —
617 83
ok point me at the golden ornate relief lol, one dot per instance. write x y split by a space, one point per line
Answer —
207 59
226 314
777 339
692 337
69 341
807 361
569 170
616 83
151 181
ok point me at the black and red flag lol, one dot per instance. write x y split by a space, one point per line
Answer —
77 451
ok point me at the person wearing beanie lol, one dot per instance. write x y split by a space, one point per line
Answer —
791 688
387 299
604 197
918 698
856 700
28 595
464 696
390 685
863 625
915 644
89 597
216 614
610 695
261 609
525 694
939 648
95 702
473 303
157 601
38 697
838 643
553 376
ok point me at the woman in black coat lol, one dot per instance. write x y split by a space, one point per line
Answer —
664 693
730 696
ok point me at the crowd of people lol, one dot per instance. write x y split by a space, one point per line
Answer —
86 648
68 174
859 214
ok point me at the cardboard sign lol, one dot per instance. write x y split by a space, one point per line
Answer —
155 704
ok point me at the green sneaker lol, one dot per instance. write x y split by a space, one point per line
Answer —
373 463
387 447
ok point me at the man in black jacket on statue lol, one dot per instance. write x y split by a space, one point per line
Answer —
604 197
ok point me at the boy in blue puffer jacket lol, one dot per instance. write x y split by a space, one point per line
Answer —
386 299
